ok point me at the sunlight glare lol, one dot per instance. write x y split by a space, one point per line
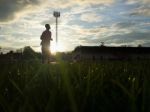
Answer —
53 49
58 48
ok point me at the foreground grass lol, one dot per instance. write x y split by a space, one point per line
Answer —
77 87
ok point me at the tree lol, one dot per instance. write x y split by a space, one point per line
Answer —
139 45
29 53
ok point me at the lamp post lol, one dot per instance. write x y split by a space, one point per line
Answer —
56 15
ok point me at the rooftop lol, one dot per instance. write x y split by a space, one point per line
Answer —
106 49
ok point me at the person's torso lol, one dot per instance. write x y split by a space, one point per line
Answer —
46 36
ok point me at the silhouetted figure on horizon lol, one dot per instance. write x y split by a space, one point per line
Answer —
46 37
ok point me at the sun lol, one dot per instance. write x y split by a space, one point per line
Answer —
53 49
56 48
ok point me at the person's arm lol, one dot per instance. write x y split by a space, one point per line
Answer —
42 36
51 37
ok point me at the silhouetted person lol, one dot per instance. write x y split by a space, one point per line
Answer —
45 44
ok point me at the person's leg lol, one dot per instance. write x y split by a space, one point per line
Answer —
44 58
47 54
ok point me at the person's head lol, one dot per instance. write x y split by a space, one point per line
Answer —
47 26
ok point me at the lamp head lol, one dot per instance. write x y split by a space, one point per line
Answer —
56 14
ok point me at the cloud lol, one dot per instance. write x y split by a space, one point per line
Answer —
82 22
147 44
90 17
70 3
147 24
142 11
141 7
99 32
129 38
124 24
50 21
117 34
7 49
131 1
11 9
80 32
94 1
138 1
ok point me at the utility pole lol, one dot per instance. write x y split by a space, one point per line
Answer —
56 15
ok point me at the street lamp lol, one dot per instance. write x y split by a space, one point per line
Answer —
56 15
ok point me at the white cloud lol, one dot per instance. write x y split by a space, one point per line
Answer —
90 17
94 1
70 3
138 1
146 24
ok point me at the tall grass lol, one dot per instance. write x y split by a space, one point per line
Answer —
75 87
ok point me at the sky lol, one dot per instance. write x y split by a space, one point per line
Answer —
82 22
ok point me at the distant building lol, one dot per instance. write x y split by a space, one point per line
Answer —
110 53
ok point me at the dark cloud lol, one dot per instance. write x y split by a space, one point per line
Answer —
9 8
136 8
125 24
143 10
146 44
129 37
122 38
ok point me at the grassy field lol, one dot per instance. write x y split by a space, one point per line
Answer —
122 86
